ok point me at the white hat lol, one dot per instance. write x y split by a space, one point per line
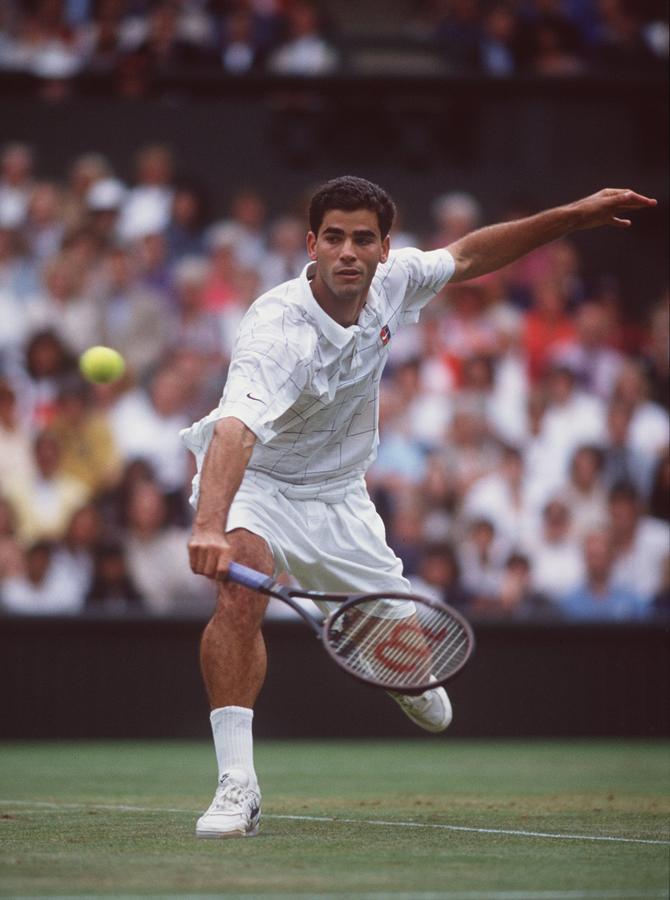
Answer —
108 193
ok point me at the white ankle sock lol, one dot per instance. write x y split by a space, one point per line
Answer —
233 741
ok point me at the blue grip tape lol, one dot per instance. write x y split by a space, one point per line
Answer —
248 577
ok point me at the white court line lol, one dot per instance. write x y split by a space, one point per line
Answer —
415 895
39 804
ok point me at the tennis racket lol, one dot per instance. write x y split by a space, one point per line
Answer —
400 642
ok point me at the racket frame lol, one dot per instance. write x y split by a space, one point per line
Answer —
268 585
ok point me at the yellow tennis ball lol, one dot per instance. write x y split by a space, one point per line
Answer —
102 364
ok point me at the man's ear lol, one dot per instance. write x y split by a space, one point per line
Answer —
311 245
386 248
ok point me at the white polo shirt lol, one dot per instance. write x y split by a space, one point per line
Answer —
308 387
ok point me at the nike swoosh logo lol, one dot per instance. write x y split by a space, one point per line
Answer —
257 399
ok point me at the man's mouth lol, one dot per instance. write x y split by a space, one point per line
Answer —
348 273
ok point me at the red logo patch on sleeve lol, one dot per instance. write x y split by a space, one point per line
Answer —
385 335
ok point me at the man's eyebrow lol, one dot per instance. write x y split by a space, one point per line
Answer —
358 232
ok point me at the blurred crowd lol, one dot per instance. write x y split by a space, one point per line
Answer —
523 469
134 42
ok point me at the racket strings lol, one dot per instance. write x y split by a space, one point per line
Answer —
400 652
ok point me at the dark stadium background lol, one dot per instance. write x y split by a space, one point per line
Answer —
420 130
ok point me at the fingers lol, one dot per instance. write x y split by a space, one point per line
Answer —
628 199
621 223
210 560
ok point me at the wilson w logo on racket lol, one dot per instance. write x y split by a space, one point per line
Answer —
400 642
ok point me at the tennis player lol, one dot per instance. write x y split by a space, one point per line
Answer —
281 461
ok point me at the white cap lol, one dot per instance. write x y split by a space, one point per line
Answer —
108 193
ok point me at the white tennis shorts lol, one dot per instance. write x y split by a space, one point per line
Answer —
325 545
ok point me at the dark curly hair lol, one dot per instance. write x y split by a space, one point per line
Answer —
350 193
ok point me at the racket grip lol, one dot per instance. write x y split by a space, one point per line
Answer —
247 577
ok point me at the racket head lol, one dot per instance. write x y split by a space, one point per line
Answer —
405 643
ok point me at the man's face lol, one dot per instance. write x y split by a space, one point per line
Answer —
347 251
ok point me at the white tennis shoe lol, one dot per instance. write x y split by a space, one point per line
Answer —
430 710
235 810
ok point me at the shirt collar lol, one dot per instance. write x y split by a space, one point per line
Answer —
337 334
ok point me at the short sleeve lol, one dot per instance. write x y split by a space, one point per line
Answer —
269 370
427 273
270 367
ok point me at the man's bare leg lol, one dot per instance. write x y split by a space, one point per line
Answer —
232 652
233 660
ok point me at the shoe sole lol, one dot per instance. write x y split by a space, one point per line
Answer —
223 835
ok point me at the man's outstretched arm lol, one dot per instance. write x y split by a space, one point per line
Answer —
222 472
491 248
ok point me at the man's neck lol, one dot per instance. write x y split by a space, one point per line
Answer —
344 312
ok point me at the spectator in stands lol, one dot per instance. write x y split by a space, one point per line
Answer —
503 498
555 556
132 319
622 461
100 39
517 599
306 49
44 226
158 559
640 543
104 202
11 554
63 307
482 556
546 326
184 233
16 181
469 453
15 444
146 423
195 328
620 43
45 500
150 253
657 354
74 554
573 417
599 597
498 42
113 590
589 354
455 214
584 492
47 364
148 204
18 276
650 423
221 288
85 171
248 213
286 256
88 450
459 36
438 576
43 590
247 36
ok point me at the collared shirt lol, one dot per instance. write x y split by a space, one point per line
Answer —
307 386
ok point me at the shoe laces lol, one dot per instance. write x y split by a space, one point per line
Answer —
230 793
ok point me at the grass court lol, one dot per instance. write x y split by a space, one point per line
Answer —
430 818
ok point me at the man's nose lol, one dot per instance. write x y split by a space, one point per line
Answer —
348 250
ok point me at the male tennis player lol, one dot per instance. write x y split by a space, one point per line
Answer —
281 460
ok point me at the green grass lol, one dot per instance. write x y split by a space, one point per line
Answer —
87 844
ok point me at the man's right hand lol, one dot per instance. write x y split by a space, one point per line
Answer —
210 554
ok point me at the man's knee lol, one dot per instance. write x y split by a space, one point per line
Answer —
251 550
238 609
